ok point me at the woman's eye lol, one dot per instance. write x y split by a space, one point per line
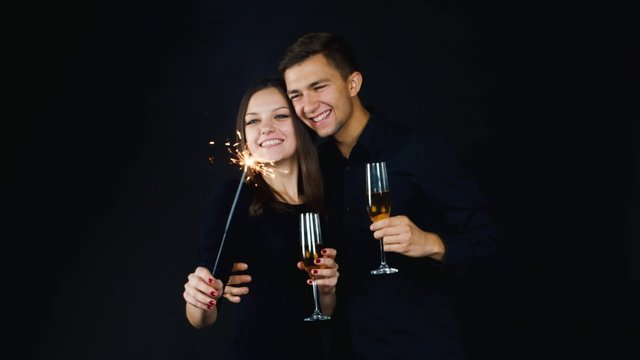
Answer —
251 122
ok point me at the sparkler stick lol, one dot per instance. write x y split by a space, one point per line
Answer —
226 227
244 159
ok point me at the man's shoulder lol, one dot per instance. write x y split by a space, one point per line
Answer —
404 133
409 136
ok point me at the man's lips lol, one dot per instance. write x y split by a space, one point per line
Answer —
318 118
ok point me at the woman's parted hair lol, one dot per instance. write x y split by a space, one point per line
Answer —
310 184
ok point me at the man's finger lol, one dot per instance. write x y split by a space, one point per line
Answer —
239 279
239 266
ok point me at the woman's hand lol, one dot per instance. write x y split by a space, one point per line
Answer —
201 293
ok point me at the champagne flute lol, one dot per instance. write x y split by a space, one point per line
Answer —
378 206
311 245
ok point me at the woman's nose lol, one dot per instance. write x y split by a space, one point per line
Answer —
266 127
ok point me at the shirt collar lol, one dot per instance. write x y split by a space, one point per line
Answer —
374 137
371 139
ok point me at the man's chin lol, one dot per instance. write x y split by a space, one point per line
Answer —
323 132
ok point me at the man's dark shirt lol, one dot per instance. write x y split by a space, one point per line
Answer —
410 314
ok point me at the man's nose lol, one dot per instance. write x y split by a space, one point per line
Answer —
310 104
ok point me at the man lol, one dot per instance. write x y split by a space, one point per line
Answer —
439 229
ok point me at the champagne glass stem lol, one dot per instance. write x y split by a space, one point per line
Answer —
315 297
383 259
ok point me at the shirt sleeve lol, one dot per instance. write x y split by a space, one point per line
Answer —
468 232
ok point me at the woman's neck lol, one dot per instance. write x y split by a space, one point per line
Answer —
285 182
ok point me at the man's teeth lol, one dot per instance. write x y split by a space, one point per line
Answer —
320 117
271 142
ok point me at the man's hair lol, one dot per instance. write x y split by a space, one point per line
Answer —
335 49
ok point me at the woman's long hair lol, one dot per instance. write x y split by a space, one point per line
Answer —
310 185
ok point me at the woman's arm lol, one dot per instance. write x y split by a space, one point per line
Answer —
201 293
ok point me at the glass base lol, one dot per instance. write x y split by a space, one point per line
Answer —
384 269
317 316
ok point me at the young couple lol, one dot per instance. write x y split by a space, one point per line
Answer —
439 228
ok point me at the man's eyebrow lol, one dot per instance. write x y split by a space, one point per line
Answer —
310 85
317 82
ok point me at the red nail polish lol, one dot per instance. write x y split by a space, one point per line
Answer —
310 282
209 307
324 252
213 293
210 281
316 261
314 271
212 302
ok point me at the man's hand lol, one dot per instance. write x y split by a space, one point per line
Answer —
402 236
233 291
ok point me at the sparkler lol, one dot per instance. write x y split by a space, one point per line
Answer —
247 162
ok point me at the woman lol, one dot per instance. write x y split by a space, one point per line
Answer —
264 233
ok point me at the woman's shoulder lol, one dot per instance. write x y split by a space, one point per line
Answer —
226 190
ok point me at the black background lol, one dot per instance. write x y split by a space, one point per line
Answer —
106 171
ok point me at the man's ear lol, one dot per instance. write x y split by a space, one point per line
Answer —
354 83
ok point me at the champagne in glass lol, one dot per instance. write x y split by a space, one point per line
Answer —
311 245
378 206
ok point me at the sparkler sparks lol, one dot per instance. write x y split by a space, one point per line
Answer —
245 160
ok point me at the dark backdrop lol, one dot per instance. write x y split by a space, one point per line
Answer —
106 170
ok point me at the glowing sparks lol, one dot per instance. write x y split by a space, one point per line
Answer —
247 161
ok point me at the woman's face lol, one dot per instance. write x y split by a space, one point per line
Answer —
268 126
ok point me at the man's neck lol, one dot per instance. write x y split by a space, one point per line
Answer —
348 136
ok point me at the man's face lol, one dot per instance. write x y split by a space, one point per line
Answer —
320 95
